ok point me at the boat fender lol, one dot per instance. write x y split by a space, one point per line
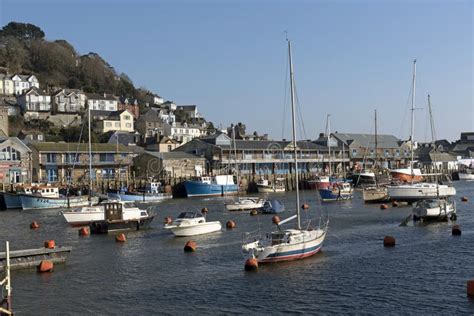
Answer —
230 225
383 206
190 246
49 244
84 231
276 220
121 238
34 225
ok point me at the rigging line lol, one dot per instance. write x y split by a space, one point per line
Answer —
285 100
300 115
405 111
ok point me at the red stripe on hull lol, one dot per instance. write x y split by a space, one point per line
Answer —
291 257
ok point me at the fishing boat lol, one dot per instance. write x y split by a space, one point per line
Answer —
30 202
413 191
219 185
244 204
466 170
150 194
362 177
287 244
337 192
375 193
272 207
319 182
120 216
191 224
12 199
266 186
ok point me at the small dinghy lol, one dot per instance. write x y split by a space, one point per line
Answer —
191 224
272 207
245 203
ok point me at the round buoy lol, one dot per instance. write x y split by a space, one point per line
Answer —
34 225
45 266
383 206
230 225
84 231
456 230
389 241
470 288
305 206
464 199
121 238
253 212
50 244
204 210
276 219
251 264
167 220
190 246
394 203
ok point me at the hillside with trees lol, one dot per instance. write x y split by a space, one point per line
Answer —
24 49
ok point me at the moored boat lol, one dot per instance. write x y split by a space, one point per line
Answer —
337 192
406 175
418 191
84 215
435 209
375 194
11 199
29 202
211 186
272 207
245 203
192 224
266 186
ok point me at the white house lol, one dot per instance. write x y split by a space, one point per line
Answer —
157 99
102 102
185 132
21 83
68 101
6 85
190 110
121 121
35 104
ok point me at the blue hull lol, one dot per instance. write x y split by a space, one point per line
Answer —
137 197
328 195
197 188
12 200
29 202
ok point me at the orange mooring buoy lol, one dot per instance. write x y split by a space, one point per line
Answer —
45 266
84 231
276 219
50 244
305 206
204 210
389 241
190 246
251 264
464 199
34 225
230 225
470 288
167 220
383 206
253 212
121 238
456 230
394 203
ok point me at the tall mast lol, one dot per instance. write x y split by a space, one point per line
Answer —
433 136
328 129
293 116
412 140
376 144
235 155
90 155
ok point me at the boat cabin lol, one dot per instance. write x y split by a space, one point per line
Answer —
286 237
43 191
153 187
189 215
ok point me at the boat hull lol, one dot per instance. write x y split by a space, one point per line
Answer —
193 230
138 197
84 216
466 176
328 195
362 179
405 175
413 193
197 188
29 202
107 226
12 200
243 205
374 195
441 211
265 189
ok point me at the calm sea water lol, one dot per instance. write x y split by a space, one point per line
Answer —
150 274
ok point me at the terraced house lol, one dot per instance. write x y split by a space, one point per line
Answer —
35 104
64 162
15 162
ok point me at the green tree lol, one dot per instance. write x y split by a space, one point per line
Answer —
22 31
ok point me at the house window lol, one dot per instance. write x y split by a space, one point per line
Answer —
71 158
10 153
386 152
371 152
354 152
108 173
106 157
397 152
108 124
170 148
52 174
129 125
51 158
127 117
117 124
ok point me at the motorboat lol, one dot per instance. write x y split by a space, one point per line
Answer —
84 215
435 209
337 192
375 194
191 224
272 207
245 203
266 186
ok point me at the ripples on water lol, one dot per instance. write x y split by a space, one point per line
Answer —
150 274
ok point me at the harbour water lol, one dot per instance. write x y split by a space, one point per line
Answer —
426 272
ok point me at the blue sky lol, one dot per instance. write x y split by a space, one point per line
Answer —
229 57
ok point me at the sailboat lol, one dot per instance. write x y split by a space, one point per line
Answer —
242 203
375 193
84 215
287 244
434 208
337 190
413 191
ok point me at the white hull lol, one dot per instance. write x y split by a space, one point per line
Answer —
265 189
415 192
375 194
194 229
466 176
440 209
245 204
84 215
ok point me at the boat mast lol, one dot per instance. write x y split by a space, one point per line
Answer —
293 116
235 157
433 139
90 155
413 118
376 144
328 132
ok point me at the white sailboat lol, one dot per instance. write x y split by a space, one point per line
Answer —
412 192
86 214
287 244
437 208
